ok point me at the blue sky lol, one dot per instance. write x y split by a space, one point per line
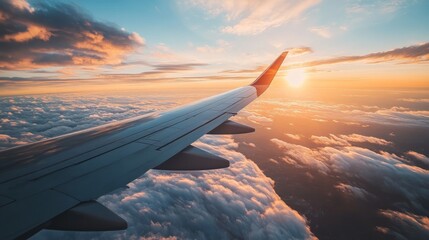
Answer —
355 27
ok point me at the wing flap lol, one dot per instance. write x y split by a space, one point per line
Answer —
193 159
231 127
88 216
23 215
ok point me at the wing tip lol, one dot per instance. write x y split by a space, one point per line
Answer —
264 80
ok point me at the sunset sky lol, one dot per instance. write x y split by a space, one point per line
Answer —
341 143
81 45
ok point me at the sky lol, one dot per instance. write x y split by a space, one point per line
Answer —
341 143
103 45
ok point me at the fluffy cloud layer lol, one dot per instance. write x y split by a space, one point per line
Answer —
367 157
238 202
355 164
58 34
25 119
379 175
253 17
406 225
399 116
234 203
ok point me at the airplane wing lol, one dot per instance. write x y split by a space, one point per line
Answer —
53 184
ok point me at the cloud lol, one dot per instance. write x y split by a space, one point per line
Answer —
347 140
352 191
5 138
220 47
396 116
238 202
385 173
58 34
410 54
415 100
249 144
7 141
56 131
322 31
392 5
247 70
409 226
253 17
259 119
292 52
377 6
177 67
357 138
135 37
421 157
328 141
298 51
294 136
30 33
21 5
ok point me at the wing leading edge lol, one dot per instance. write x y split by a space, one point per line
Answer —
44 183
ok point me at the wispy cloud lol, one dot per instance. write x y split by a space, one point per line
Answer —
177 67
35 36
410 54
220 47
322 31
298 51
418 53
247 17
415 100
377 6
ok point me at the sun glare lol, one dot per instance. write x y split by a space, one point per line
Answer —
295 77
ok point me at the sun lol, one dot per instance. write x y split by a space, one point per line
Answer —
295 77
